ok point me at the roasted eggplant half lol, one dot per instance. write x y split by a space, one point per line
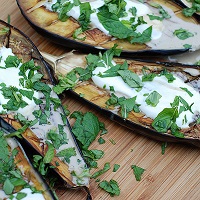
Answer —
18 177
30 106
153 27
159 101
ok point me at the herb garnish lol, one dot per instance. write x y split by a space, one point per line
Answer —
183 34
138 171
86 127
111 187
101 171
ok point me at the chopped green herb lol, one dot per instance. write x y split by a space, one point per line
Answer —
116 167
101 140
183 34
67 153
186 90
112 141
86 127
163 147
101 171
138 171
111 187
153 98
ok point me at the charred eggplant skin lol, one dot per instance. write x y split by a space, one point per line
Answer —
68 41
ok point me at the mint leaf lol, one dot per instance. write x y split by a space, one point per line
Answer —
84 18
116 167
164 119
131 78
111 187
138 171
101 171
143 37
112 23
183 34
8 187
153 99
67 153
86 127
49 154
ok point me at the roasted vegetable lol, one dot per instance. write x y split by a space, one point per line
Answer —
122 100
18 177
148 29
34 110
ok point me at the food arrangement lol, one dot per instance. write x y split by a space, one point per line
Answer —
158 100
134 26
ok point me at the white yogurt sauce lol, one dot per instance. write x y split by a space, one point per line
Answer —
168 91
77 163
30 195
10 76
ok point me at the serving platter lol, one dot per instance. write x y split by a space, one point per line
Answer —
49 26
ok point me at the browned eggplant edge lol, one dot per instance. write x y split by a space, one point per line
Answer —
86 48
50 73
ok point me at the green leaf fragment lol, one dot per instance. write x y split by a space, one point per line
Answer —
101 171
111 187
138 171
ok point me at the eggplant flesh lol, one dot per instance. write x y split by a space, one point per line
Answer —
47 23
22 166
138 121
36 135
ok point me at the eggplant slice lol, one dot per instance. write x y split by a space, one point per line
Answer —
88 92
21 165
23 48
47 24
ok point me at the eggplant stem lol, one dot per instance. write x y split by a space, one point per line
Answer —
52 59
